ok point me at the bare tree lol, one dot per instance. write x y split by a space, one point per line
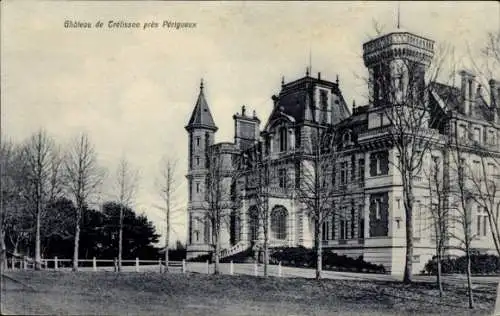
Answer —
9 195
462 198
402 88
83 176
218 205
316 189
167 186
126 183
42 179
439 211
16 221
259 173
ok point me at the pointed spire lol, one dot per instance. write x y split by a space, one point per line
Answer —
399 15
201 116
337 79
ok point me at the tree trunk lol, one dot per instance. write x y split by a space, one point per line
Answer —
319 251
266 255
408 194
167 237
469 280
3 249
38 257
216 254
120 240
77 239
438 277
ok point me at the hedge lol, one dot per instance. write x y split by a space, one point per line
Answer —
480 264
303 257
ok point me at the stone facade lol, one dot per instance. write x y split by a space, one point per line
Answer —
370 220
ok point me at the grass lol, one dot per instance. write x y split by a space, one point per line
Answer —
107 293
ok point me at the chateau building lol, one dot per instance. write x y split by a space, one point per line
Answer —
370 220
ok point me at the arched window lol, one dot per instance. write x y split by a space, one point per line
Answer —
253 224
278 223
347 138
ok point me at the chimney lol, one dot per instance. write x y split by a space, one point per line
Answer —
468 91
494 95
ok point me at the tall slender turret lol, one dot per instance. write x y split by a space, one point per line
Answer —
201 129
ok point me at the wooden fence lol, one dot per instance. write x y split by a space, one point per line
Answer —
137 265
95 264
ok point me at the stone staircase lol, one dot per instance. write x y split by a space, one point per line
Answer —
237 248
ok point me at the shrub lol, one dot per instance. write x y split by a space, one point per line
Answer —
303 257
480 264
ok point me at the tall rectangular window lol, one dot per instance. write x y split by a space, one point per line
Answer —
283 139
477 134
482 222
361 166
282 174
343 172
353 168
353 223
379 163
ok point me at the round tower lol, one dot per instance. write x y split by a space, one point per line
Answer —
201 130
396 65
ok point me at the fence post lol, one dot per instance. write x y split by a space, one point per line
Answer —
136 264
183 265
231 268
115 263
55 263
279 269
25 263
208 268
94 264
255 269
159 263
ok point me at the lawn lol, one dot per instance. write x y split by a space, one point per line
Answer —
108 293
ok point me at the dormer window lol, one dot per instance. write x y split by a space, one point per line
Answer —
283 139
324 106
347 138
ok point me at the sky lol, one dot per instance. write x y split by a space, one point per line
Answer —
133 90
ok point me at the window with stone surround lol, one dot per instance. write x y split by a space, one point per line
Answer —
343 223
379 213
343 172
379 163
361 222
279 217
283 134
253 224
353 222
481 222
282 178
361 168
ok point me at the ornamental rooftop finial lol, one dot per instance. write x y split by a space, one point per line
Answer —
201 84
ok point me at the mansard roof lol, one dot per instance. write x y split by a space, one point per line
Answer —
201 116
295 99
449 98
